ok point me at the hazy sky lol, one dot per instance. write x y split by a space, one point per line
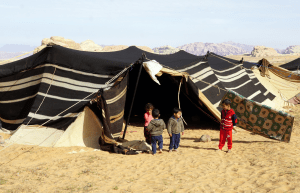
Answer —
152 23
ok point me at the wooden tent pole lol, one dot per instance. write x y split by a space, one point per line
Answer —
136 85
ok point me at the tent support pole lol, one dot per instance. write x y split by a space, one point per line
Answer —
136 85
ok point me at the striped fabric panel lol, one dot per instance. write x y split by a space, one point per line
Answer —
233 78
238 80
23 93
205 79
191 67
115 99
259 86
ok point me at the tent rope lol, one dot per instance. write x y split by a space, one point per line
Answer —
213 118
219 92
108 82
116 76
2 62
43 98
34 113
66 109
227 61
210 84
224 89
179 100
197 78
216 85
41 126
58 114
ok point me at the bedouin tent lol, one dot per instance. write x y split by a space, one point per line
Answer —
52 87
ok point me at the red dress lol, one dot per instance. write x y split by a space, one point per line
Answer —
226 126
147 135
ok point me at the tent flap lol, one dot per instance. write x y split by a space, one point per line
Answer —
261 119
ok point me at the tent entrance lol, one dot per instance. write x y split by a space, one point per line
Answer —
164 97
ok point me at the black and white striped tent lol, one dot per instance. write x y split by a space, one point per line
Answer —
292 65
53 86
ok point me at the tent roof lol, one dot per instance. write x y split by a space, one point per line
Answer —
293 65
107 63
218 62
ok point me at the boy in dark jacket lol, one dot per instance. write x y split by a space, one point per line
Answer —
228 122
156 128
175 127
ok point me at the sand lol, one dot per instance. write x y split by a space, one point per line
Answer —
274 60
257 164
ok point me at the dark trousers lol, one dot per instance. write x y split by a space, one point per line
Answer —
155 139
147 135
174 141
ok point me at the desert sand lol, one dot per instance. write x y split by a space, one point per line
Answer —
257 164
275 60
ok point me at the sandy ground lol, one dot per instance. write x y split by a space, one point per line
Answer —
257 164
275 60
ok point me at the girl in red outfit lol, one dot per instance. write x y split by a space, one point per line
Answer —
148 117
228 121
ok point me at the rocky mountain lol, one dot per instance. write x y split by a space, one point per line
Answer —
57 40
8 55
165 50
292 50
87 45
12 50
261 51
16 48
279 51
197 48
222 49
247 48
91 46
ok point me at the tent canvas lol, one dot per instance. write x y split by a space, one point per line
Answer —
261 119
281 82
292 65
53 86
83 132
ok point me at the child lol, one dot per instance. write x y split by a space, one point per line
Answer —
148 117
156 128
228 121
175 127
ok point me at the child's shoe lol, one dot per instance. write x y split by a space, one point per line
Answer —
175 150
170 150
160 151
229 151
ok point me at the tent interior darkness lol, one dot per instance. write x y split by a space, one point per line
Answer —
163 97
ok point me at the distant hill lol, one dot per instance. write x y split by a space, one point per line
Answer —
292 50
199 48
12 50
247 48
9 55
165 50
16 48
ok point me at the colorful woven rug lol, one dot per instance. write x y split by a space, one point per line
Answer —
260 119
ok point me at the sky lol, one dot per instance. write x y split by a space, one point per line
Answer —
152 23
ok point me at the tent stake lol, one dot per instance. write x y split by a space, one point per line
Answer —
136 85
